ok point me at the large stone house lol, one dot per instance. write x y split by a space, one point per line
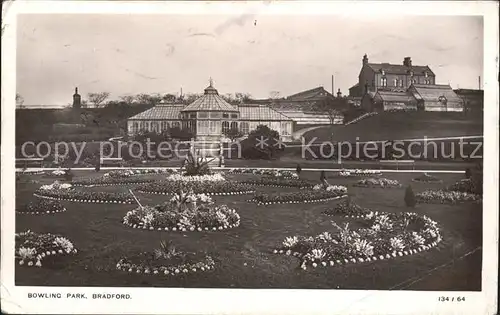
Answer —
385 86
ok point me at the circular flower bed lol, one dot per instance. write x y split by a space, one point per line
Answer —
110 181
58 173
314 195
387 235
267 172
359 172
348 209
184 212
165 261
42 207
426 178
198 187
279 182
444 196
378 182
32 248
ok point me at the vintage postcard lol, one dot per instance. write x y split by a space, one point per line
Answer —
249 157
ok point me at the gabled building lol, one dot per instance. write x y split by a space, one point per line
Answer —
386 101
392 77
439 98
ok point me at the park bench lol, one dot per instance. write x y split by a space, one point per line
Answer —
25 162
397 163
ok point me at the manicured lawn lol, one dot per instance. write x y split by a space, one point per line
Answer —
243 255
398 126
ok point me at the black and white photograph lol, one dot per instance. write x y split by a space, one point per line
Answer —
268 147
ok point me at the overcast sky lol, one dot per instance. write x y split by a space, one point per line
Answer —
130 54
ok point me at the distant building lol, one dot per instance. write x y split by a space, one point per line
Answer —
473 99
385 86
209 117
393 77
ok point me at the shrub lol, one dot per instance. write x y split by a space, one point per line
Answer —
410 197
262 143
322 177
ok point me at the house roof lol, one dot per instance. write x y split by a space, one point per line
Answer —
432 93
390 96
260 112
165 112
354 86
210 101
469 91
311 94
400 69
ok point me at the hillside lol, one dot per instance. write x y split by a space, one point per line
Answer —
398 126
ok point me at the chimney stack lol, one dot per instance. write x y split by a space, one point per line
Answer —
479 78
77 99
365 59
339 94
407 62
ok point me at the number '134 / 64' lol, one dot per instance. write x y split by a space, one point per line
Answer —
451 299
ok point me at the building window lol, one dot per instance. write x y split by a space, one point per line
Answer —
225 127
383 72
234 115
383 82
135 127
244 128
285 128
203 126
213 127
192 115
426 74
401 83
225 115
154 126
234 125
176 124
202 115
215 115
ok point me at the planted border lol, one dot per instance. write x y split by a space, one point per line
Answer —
301 196
218 188
42 207
378 183
388 236
445 196
32 248
84 196
110 181
279 182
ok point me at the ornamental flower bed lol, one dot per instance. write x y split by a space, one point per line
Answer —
166 260
33 248
184 212
279 182
444 196
110 181
43 206
348 209
378 182
134 172
198 187
217 177
84 196
318 195
426 178
58 173
32 172
387 235
359 172
267 172
464 185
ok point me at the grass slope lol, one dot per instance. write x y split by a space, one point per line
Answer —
398 125
243 255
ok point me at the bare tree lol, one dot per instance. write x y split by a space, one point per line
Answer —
169 98
242 97
19 100
129 99
150 99
97 98
333 107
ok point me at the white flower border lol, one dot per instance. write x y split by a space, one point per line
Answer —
42 212
84 200
209 194
296 201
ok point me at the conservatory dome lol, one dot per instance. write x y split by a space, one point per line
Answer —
210 101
